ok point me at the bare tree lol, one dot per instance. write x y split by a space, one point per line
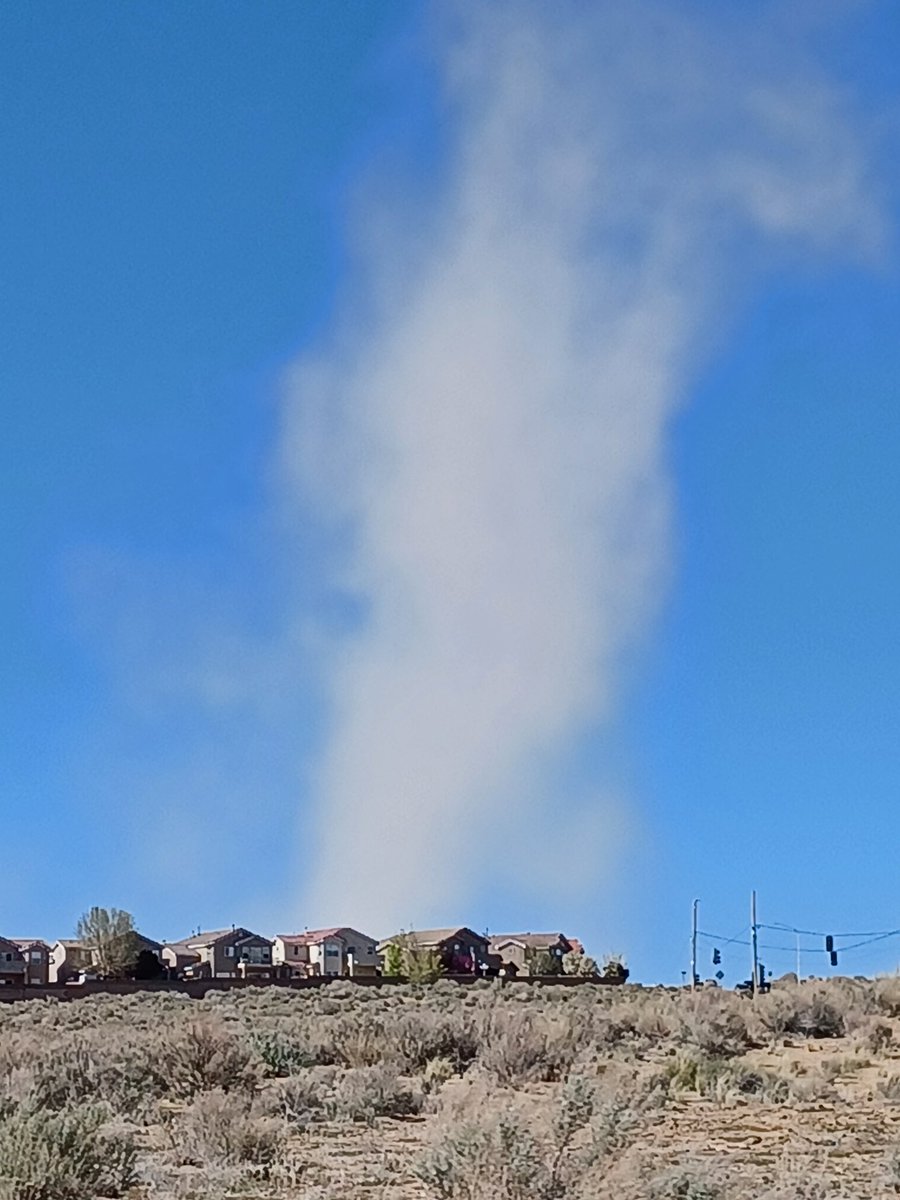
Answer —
110 936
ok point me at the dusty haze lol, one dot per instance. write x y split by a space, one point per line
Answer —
487 420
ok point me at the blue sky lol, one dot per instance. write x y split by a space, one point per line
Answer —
194 209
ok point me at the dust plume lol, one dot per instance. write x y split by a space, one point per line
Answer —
486 424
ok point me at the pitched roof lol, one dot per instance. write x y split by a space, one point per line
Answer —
310 937
434 937
532 941
182 950
208 936
28 943
252 937
147 943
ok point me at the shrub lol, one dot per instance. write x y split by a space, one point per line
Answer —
887 995
300 1098
722 1079
63 1155
281 1054
438 1071
517 1046
576 963
487 1159
499 1155
423 1035
801 1009
715 1025
223 1129
204 1056
364 1093
819 1017
354 1094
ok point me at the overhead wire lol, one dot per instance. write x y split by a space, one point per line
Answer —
866 939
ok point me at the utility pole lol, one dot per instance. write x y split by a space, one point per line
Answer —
797 936
694 944
754 978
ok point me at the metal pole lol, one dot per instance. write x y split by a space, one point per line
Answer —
797 935
754 978
694 944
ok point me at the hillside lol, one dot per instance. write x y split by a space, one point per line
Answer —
454 1093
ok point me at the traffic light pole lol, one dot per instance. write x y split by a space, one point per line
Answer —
754 978
694 944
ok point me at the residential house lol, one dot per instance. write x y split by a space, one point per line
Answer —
37 960
69 958
461 950
12 964
336 951
519 951
233 953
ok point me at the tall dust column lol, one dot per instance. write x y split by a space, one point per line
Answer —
486 423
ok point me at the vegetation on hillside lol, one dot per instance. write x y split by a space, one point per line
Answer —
448 1092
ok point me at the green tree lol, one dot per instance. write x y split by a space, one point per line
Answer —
614 967
406 959
110 936
542 962
393 961
422 965
579 964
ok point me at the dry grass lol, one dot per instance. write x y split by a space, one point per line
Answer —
455 1093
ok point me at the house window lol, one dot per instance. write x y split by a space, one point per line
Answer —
351 949
255 954
331 953
229 951
36 956
296 952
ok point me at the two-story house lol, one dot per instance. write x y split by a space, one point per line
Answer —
70 959
461 951
36 953
531 953
12 964
339 950
233 953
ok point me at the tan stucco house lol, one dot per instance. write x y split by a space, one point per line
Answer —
519 949
339 950
68 958
220 954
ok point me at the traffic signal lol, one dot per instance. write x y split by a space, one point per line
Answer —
829 944
833 957
717 958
